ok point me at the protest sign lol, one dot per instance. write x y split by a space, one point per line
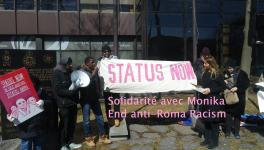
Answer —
39 63
18 95
146 76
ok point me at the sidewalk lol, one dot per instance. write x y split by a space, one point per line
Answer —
177 137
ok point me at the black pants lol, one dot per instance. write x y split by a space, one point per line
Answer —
211 134
68 116
108 106
232 121
196 107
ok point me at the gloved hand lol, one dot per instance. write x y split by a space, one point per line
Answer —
40 103
10 118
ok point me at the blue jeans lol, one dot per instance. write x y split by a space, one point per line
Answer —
95 106
27 144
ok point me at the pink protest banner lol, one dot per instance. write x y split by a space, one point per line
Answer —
146 76
18 95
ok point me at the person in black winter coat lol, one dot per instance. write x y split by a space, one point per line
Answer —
213 84
32 131
234 112
66 101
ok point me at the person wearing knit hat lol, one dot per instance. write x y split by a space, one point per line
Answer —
106 54
64 65
65 61
67 103
106 48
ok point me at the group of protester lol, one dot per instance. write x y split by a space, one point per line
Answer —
32 132
208 75
214 83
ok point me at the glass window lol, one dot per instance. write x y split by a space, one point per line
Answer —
106 6
168 6
5 42
72 43
52 43
25 4
97 45
6 4
126 6
260 6
127 54
24 43
172 31
207 6
96 54
139 46
260 27
170 20
207 33
228 7
126 45
18 43
68 5
89 5
110 44
139 55
47 4
208 20
77 57
229 18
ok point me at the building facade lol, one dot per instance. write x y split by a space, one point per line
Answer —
75 28
147 29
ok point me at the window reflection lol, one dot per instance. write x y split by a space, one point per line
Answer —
7 4
68 5
47 4
89 5
104 6
25 4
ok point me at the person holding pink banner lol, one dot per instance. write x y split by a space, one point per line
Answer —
32 131
198 67
106 54
213 85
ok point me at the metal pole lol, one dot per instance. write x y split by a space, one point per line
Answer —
184 30
144 26
194 25
115 26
